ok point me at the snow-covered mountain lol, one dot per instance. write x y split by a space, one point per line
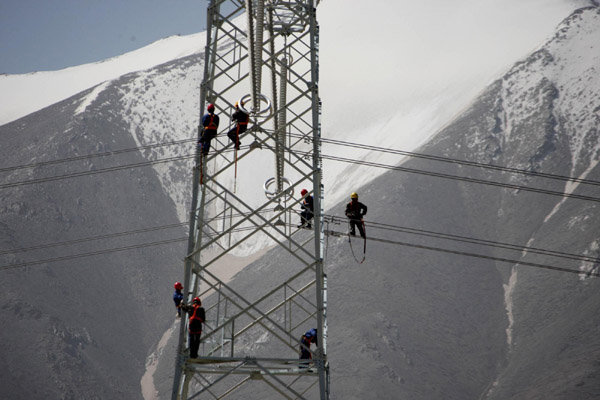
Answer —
104 317
421 324
405 73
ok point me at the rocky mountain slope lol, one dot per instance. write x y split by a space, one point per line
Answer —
81 327
417 324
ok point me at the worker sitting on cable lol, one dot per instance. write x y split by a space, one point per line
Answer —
240 118
355 211
305 341
197 317
306 214
210 124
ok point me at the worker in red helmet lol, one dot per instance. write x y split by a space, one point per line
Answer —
197 317
178 297
307 207
240 118
210 124
355 211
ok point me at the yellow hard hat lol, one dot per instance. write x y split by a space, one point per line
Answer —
354 195
236 104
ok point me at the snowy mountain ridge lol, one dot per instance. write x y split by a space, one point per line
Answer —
412 108
23 94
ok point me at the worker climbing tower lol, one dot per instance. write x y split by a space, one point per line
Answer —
263 55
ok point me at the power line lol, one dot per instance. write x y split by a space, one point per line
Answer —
330 233
452 160
438 235
88 156
322 140
118 234
98 171
471 240
459 178
332 158
93 253
468 254
89 239
105 251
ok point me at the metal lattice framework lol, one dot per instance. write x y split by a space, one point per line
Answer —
264 55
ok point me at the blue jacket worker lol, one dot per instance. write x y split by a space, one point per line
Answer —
305 341
178 297
210 124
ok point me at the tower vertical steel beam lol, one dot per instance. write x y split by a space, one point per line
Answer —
251 339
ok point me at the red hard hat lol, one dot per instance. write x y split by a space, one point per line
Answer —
197 300
210 107
303 192
178 285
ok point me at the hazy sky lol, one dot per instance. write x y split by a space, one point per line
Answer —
45 35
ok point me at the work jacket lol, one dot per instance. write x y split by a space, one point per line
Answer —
355 210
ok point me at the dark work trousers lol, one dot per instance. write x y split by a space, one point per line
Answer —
305 217
205 141
235 133
357 223
194 344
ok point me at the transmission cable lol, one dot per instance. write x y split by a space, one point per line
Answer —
94 155
449 160
468 254
322 140
471 240
333 233
332 158
118 234
459 178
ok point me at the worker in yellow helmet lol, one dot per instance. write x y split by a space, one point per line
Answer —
355 211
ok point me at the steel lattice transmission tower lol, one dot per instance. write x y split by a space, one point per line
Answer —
264 55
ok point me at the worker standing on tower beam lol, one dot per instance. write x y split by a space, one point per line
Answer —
197 317
307 206
305 341
355 211
240 118
210 124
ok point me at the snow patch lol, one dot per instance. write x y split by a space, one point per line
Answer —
508 302
570 188
149 391
89 99
588 266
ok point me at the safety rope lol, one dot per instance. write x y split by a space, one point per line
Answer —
365 245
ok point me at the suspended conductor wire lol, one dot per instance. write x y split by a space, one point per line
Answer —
332 233
351 161
468 254
88 156
471 240
107 251
450 160
89 239
460 178
333 158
